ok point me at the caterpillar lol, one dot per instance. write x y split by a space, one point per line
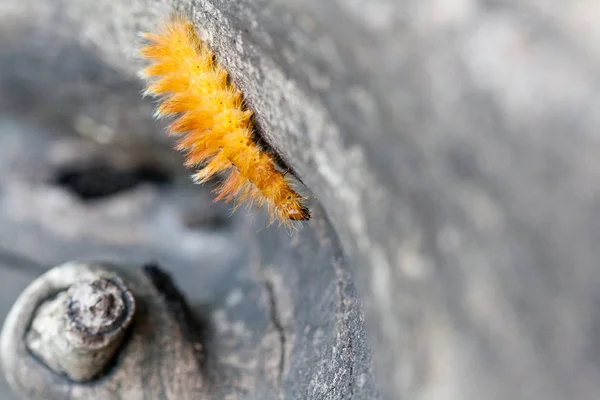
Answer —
212 123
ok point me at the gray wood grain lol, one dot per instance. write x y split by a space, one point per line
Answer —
453 147
281 315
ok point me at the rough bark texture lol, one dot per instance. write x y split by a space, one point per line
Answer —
452 145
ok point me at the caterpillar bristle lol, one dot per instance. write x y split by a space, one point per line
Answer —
214 127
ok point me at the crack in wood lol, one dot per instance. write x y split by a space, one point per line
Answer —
276 321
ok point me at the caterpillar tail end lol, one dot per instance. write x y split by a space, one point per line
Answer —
302 214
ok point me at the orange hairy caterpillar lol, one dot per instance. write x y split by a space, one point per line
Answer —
214 126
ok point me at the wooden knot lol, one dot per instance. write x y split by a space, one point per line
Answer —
67 336
97 311
78 332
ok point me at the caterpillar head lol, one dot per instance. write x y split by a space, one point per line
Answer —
294 211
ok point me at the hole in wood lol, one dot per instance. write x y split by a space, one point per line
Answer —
93 182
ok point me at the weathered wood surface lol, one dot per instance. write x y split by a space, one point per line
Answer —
282 313
453 145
